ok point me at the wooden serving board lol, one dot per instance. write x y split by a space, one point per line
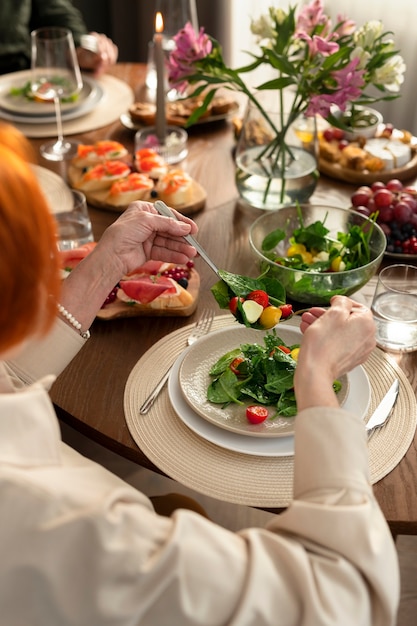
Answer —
365 177
99 199
121 309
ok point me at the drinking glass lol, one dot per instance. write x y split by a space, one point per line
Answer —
394 308
55 76
74 227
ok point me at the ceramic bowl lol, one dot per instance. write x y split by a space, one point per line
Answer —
365 125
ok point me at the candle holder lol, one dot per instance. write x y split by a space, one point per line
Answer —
173 148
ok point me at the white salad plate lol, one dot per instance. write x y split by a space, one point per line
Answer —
357 401
194 380
20 109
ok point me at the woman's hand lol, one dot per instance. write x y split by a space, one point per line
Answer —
140 234
335 341
99 60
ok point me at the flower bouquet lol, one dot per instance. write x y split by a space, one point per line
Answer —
318 68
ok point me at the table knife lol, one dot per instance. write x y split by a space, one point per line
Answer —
384 408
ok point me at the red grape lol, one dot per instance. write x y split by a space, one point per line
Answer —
383 197
377 185
402 212
394 185
361 196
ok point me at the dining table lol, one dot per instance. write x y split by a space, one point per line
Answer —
89 394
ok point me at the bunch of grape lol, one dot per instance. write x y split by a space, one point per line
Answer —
397 212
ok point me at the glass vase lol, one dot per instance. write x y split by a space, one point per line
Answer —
276 156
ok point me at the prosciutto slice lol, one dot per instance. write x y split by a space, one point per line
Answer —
145 289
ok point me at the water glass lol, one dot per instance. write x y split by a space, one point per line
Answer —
74 227
394 308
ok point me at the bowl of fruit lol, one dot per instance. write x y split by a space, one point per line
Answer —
318 251
395 206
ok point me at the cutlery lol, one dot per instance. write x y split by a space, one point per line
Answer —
163 209
383 410
201 328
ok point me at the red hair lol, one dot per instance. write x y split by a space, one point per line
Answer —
29 264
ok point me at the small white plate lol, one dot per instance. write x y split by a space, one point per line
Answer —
357 401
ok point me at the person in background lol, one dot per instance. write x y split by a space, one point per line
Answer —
80 546
19 17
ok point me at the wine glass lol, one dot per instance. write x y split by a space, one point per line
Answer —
55 75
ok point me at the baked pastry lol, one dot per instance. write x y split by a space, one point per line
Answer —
143 113
134 187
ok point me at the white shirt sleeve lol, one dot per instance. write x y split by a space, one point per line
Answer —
49 355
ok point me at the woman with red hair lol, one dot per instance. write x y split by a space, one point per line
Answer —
81 547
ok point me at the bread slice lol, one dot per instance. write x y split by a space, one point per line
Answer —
175 188
102 176
134 187
91 154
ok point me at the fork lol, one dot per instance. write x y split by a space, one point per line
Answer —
201 328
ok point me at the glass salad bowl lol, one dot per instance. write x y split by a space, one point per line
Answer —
303 285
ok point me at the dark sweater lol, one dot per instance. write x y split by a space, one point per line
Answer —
19 17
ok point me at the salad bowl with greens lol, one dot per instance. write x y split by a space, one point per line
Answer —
318 251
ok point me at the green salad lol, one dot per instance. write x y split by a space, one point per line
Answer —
312 250
259 374
263 374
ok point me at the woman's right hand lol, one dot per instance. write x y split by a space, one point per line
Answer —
335 341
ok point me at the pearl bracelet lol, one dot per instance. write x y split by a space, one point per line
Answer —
74 323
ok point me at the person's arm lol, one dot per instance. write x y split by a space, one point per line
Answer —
139 234
99 57
58 13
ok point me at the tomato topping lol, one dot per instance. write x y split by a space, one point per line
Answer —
259 296
256 414
233 304
235 364
286 310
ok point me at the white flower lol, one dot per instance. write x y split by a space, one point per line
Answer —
366 36
391 74
363 55
263 28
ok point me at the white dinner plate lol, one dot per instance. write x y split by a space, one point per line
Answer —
357 401
194 380
90 96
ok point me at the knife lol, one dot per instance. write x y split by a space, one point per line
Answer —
384 408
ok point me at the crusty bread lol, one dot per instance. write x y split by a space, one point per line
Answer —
134 187
91 154
175 188
102 176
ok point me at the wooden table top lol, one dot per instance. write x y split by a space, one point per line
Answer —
89 393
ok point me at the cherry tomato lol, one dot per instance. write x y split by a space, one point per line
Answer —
270 317
233 304
234 365
256 414
259 296
286 310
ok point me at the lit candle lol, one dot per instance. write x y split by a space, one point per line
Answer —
160 79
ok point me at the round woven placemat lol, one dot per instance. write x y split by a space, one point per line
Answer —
240 478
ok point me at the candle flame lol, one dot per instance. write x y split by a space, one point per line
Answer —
159 23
